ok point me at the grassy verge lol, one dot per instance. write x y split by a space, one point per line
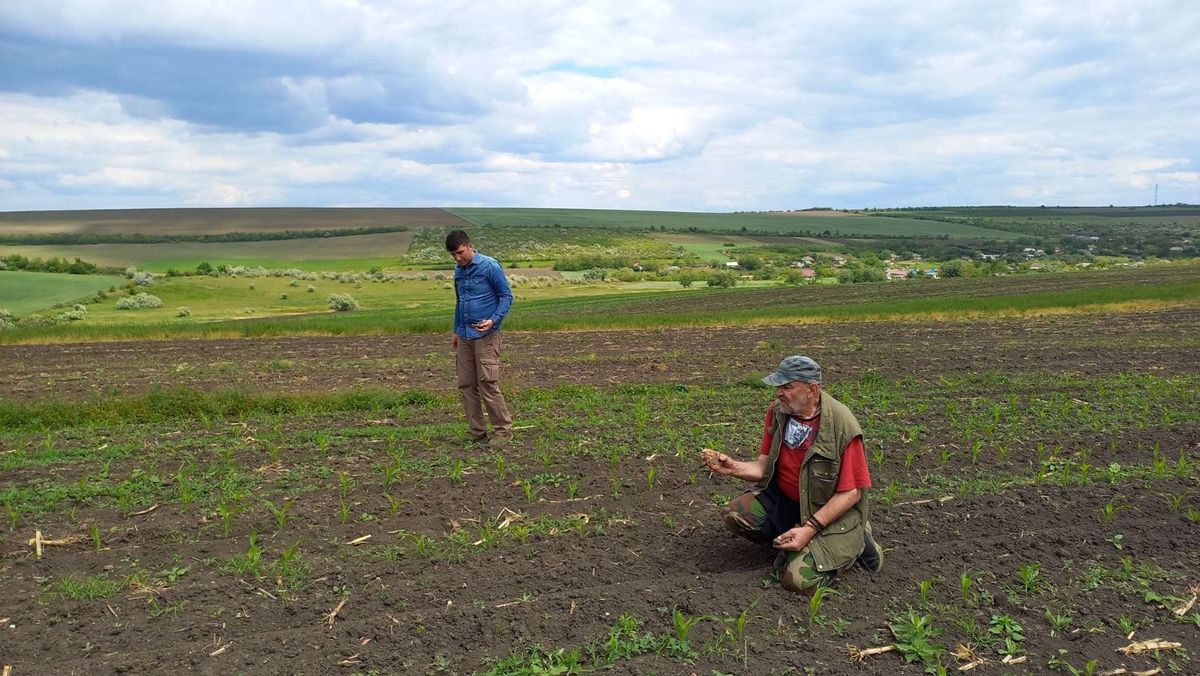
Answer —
653 309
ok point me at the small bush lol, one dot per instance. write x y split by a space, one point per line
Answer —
183 312
311 288
38 320
6 320
294 282
722 280
74 315
342 302
283 296
141 301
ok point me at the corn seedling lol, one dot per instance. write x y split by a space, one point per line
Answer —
184 484
1030 576
679 646
290 569
923 588
390 472
250 562
965 582
530 490
456 472
394 504
501 467
815 602
572 490
343 510
13 513
1175 502
95 538
226 511
280 512
650 475
1109 510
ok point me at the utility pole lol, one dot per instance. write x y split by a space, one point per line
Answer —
1155 194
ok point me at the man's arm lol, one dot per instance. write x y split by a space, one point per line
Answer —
504 296
753 470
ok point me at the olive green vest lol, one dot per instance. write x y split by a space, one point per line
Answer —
840 544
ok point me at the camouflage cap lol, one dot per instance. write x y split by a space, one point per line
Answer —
794 367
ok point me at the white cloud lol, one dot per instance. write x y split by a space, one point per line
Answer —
555 103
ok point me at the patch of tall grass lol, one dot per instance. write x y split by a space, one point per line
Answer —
167 404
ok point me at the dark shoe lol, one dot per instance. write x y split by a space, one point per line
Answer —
499 440
477 438
871 559
781 560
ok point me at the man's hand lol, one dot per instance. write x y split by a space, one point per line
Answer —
453 341
793 540
718 462
484 325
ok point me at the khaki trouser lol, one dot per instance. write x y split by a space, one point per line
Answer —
477 362
747 517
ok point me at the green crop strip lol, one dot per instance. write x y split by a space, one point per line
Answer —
1177 284
190 404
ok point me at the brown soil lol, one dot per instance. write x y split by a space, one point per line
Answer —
1089 343
665 549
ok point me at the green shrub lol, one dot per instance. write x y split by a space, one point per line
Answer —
722 279
342 302
140 301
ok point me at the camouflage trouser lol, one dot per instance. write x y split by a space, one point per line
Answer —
746 516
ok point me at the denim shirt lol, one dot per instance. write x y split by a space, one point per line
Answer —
481 292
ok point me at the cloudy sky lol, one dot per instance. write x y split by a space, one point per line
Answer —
693 106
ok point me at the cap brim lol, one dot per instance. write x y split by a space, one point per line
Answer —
776 380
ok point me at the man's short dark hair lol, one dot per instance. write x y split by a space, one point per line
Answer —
455 239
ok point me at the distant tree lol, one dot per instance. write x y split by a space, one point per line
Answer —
204 268
749 262
722 279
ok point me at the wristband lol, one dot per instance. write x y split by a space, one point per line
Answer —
815 523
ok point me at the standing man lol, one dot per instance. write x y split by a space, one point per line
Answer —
482 298
811 470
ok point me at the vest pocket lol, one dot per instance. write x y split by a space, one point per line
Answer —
839 545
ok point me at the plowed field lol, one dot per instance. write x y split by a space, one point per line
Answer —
1036 472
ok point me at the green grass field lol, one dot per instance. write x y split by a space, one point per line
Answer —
357 252
815 223
22 293
426 306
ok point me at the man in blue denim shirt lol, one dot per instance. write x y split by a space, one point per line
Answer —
482 299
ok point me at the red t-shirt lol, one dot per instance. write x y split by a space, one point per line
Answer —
853 473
